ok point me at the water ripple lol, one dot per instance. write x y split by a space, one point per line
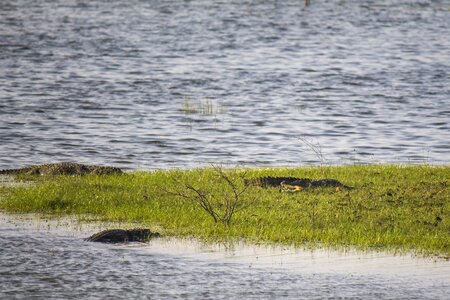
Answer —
49 259
93 80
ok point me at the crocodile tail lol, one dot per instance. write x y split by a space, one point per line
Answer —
347 187
13 171
33 170
329 182
341 185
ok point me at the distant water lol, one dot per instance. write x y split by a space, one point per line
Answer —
48 260
160 84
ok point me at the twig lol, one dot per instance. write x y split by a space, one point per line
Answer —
316 148
208 200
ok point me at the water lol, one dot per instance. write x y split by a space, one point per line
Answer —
48 259
161 84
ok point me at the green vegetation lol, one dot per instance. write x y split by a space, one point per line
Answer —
393 208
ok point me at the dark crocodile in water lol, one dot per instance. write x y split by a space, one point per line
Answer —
62 168
113 236
296 183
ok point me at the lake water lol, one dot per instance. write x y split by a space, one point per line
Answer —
161 84
48 259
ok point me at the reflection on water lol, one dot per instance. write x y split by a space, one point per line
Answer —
45 258
106 81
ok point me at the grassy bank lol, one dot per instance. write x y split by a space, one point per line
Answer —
398 208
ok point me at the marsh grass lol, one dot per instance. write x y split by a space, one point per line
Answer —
205 107
393 208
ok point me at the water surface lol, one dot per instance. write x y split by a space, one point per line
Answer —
42 258
158 84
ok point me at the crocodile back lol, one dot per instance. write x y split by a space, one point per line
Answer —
122 236
270 181
294 181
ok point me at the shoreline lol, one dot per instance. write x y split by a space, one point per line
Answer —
288 258
396 200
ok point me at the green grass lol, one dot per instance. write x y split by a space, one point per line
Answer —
392 208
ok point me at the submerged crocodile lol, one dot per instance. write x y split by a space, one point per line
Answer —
63 168
113 236
296 184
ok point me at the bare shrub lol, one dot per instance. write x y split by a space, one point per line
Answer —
222 205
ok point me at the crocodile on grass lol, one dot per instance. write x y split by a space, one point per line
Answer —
63 168
113 236
296 184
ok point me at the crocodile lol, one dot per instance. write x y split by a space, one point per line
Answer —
269 181
296 184
62 168
114 236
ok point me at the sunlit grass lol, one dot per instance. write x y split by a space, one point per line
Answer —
394 208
